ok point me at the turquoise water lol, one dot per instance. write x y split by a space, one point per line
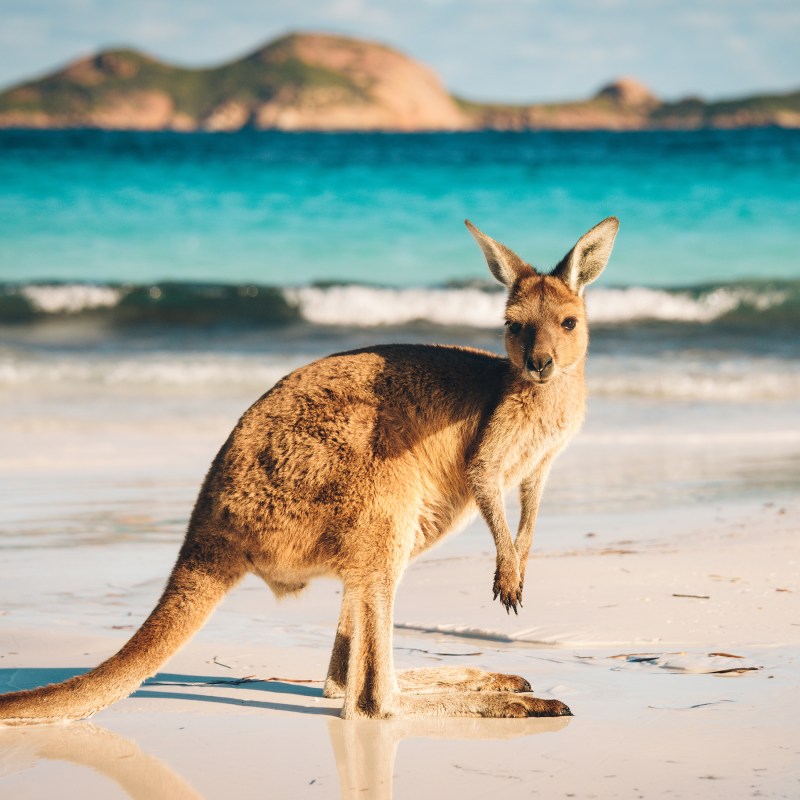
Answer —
290 209
204 261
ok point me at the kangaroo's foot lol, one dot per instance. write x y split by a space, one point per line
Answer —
333 689
487 704
435 680
479 704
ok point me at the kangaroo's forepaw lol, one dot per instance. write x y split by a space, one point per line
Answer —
508 587
537 707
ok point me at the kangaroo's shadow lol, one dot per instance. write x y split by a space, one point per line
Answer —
222 684
29 678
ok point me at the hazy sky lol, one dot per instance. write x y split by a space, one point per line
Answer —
513 50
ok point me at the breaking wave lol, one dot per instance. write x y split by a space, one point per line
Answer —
360 306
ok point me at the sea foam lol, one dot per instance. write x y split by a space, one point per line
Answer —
70 298
362 306
366 306
765 379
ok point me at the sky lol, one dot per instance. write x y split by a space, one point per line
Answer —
500 50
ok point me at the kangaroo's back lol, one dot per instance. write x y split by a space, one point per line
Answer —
396 421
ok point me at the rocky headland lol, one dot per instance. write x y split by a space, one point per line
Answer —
315 81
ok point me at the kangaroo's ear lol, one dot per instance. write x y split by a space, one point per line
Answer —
504 264
588 258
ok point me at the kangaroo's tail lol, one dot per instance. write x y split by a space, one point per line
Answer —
196 585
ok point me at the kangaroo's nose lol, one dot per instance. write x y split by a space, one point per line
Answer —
541 364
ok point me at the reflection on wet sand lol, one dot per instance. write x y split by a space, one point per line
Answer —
143 777
364 750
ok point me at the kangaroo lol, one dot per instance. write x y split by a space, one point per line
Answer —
355 464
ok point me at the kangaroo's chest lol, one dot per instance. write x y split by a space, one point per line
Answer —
537 437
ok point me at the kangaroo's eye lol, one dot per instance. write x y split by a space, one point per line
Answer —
569 323
514 327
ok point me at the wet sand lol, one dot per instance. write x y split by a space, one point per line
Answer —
666 616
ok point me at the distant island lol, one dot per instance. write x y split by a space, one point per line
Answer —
313 81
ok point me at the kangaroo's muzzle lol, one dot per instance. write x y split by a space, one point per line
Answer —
540 367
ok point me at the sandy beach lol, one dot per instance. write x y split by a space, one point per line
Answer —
662 605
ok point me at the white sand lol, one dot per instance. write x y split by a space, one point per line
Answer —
607 627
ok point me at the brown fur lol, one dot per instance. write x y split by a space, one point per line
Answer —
353 465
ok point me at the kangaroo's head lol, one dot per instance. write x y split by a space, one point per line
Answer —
546 330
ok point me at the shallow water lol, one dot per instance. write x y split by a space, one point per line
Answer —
103 463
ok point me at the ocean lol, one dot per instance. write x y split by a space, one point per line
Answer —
194 259
155 284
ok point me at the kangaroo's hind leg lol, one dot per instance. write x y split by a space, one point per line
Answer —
427 680
336 679
371 687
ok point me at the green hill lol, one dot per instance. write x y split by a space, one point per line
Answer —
321 82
